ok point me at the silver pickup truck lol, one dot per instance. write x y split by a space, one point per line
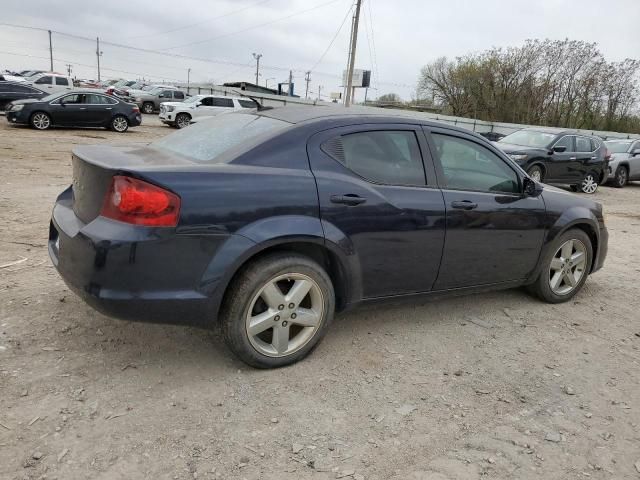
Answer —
150 101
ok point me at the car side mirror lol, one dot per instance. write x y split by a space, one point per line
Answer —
529 187
559 149
635 152
161 95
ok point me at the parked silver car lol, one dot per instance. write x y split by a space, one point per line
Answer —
624 164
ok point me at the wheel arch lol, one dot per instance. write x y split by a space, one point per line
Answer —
579 218
538 162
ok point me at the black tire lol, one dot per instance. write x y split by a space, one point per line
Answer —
182 120
119 124
248 284
541 287
622 177
40 120
148 107
536 173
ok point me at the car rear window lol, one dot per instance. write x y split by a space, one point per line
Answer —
206 141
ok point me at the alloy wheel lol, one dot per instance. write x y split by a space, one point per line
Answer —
536 174
183 121
567 267
120 124
147 108
284 315
41 121
621 177
589 184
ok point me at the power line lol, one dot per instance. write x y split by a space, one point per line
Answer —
253 5
206 40
333 39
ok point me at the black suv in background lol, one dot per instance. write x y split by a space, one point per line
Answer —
558 156
10 91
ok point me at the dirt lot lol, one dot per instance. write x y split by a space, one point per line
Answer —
488 386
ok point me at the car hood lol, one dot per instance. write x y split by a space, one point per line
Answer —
518 149
25 101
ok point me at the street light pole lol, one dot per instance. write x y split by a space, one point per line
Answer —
307 78
188 79
50 50
257 57
98 55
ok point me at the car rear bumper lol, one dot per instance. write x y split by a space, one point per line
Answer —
135 120
131 272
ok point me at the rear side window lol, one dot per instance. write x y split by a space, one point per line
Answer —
583 144
44 80
178 95
166 94
389 157
62 81
207 141
469 166
222 102
207 102
247 103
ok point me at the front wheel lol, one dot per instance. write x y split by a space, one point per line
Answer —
621 178
119 124
535 173
183 120
565 267
277 310
40 121
148 107
589 184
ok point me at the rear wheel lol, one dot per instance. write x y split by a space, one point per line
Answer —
119 124
535 173
147 107
277 310
183 120
565 267
622 177
40 121
589 183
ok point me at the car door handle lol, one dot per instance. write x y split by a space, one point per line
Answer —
572 158
109 108
348 199
464 205
83 108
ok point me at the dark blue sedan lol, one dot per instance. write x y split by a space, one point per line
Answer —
267 223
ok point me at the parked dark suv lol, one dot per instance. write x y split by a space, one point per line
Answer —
555 156
267 222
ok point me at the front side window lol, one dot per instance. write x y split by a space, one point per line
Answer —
583 144
44 80
469 166
71 99
62 81
207 102
567 142
389 157
222 102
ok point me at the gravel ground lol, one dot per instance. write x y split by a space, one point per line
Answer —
496 385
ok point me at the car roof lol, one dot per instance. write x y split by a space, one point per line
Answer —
554 130
296 115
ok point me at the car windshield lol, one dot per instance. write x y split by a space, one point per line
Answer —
206 141
194 99
529 138
618 147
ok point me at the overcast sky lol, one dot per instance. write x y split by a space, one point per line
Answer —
406 33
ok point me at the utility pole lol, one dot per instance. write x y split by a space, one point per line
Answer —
257 56
291 83
307 78
319 88
50 51
352 53
188 79
69 68
98 55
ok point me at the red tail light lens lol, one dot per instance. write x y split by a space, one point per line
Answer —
134 201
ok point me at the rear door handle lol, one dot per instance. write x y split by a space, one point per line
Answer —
349 199
572 158
464 205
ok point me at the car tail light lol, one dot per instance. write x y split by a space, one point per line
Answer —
136 110
607 154
137 202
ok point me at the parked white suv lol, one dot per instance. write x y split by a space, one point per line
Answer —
51 82
199 107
